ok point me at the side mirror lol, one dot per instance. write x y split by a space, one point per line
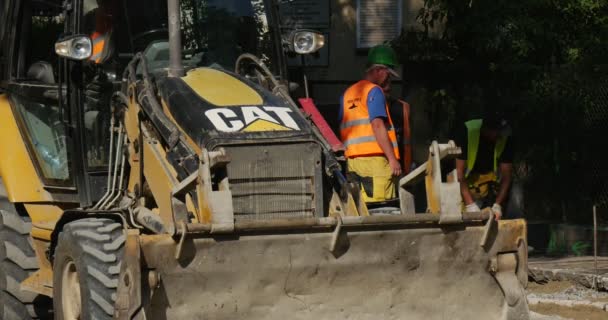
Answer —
306 41
78 47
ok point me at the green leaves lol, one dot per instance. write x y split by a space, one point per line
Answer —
542 61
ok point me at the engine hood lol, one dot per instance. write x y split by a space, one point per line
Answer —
214 106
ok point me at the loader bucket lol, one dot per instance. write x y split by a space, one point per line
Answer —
417 271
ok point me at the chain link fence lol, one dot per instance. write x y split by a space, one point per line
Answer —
596 145
563 148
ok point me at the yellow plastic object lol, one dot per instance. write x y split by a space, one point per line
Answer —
221 89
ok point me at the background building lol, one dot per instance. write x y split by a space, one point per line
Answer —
351 27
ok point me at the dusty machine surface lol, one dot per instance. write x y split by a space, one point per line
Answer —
156 167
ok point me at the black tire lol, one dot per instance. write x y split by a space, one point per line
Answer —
94 247
17 262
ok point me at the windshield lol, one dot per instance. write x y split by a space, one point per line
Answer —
214 32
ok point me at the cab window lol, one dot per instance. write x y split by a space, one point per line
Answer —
44 26
46 137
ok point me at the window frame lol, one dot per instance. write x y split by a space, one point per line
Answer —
39 93
358 35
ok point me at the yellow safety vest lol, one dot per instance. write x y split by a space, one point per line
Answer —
474 131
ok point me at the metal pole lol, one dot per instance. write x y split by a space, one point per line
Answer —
176 69
595 244
306 86
303 61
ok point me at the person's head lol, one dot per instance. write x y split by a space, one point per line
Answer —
381 61
104 12
108 7
494 125
103 3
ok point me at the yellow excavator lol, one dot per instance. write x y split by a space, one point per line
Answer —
154 166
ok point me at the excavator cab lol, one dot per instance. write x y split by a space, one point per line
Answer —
155 166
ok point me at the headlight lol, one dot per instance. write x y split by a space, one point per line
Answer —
305 42
75 47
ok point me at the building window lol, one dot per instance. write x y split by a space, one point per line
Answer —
378 21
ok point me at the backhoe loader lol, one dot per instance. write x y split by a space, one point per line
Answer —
154 166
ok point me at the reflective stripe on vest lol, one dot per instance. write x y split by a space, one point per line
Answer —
473 133
99 42
356 129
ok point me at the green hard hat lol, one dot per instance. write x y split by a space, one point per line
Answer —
382 54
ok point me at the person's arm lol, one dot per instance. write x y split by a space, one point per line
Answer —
376 102
506 176
384 141
464 186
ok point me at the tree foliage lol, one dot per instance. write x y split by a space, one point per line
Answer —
541 61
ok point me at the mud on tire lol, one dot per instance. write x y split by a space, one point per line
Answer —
17 262
92 248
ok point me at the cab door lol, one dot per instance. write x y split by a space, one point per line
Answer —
94 81
37 98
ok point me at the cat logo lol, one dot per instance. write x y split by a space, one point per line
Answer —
252 119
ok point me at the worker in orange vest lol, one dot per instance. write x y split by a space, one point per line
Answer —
367 130
400 112
100 36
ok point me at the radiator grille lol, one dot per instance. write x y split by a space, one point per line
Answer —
274 181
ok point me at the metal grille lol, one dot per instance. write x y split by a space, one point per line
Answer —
275 181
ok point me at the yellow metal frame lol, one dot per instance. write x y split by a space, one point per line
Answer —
220 88
20 179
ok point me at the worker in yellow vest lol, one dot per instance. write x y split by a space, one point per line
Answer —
485 166
367 131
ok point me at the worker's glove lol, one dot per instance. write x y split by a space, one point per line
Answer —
472 208
497 209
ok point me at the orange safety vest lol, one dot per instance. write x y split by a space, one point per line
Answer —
407 137
99 42
356 128
103 28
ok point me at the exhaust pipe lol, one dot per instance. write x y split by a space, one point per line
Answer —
176 69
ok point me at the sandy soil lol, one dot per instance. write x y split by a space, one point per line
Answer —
549 287
563 291
577 313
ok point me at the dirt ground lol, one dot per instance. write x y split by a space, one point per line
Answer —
577 313
554 294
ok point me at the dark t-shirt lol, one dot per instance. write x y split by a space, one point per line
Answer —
395 108
485 154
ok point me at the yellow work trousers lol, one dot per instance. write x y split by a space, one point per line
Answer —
378 171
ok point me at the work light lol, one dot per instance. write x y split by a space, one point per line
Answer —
75 47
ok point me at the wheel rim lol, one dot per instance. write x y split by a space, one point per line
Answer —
70 292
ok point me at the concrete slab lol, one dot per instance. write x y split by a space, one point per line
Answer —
580 270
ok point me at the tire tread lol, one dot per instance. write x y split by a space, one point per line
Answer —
17 262
99 243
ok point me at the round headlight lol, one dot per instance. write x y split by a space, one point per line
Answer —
81 48
305 42
75 47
